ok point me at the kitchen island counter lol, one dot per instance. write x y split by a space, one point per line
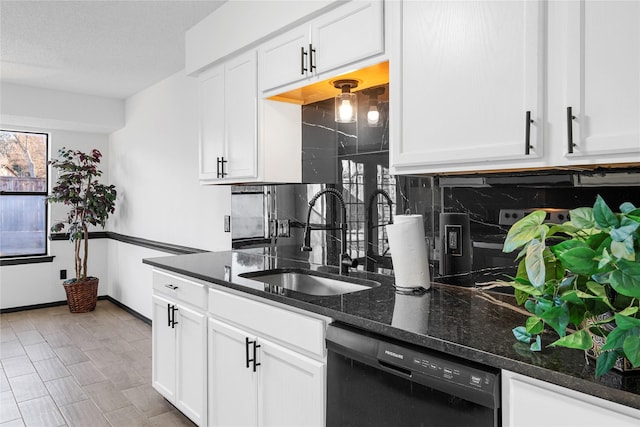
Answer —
465 322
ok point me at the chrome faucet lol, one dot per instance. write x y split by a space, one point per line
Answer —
345 259
370 257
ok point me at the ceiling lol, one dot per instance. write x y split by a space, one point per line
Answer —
107 48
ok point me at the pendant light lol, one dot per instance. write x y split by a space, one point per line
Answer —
346 102
373 113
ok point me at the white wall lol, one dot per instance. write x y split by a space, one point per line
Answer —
30 284
154 165
153 161
53 109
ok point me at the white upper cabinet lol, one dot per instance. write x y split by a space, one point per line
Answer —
468 86
229 121
469 73
285 59
602 81
349 34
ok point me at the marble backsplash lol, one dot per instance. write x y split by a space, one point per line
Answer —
353 158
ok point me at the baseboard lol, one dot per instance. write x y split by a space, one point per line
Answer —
33 307
129 310
58 303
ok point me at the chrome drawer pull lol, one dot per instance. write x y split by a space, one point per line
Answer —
170 286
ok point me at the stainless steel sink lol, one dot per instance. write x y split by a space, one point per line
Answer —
310 282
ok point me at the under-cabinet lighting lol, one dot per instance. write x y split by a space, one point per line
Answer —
346 102
373 114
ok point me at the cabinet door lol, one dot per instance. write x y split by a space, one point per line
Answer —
212 121
351 33
284 59
232 386
470 71
521 395
191 352
241 101
291 388
603 78
163 339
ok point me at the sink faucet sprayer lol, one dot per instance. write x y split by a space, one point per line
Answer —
345 259
370 257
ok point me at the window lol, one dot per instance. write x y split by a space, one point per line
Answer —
23 192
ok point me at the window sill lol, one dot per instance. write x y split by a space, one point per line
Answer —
26 260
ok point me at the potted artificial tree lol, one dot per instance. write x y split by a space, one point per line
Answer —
90 203
582 279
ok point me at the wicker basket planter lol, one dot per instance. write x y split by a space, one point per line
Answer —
82 296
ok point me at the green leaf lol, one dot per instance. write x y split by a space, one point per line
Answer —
626 280
627 207
626 230
623 249
536 345
615 339
579 260
572 297
526 287
521 296
534 325
596 241
625 322
600 291
629 311
605 259
523 231
580 340
603 215
563 247
534 261
605 362
521 334
631 348
582 218
558 318
567 228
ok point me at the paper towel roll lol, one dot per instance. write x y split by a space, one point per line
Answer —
409 252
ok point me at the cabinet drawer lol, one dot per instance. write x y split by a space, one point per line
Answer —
180 288
296 331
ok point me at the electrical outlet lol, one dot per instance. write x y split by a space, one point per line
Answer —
284 228
63 274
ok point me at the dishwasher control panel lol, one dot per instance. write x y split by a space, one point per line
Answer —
412 361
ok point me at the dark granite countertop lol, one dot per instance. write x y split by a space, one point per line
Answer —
458 320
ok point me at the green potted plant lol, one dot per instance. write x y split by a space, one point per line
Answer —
90 203
582 279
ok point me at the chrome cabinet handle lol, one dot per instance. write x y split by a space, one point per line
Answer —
170 286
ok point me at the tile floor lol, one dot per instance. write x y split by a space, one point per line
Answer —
90 369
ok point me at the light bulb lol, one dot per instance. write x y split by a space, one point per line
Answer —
373 115
346 110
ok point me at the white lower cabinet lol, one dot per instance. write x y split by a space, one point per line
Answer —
530 402
179 349
258 374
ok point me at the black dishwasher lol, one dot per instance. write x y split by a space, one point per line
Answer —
376 381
